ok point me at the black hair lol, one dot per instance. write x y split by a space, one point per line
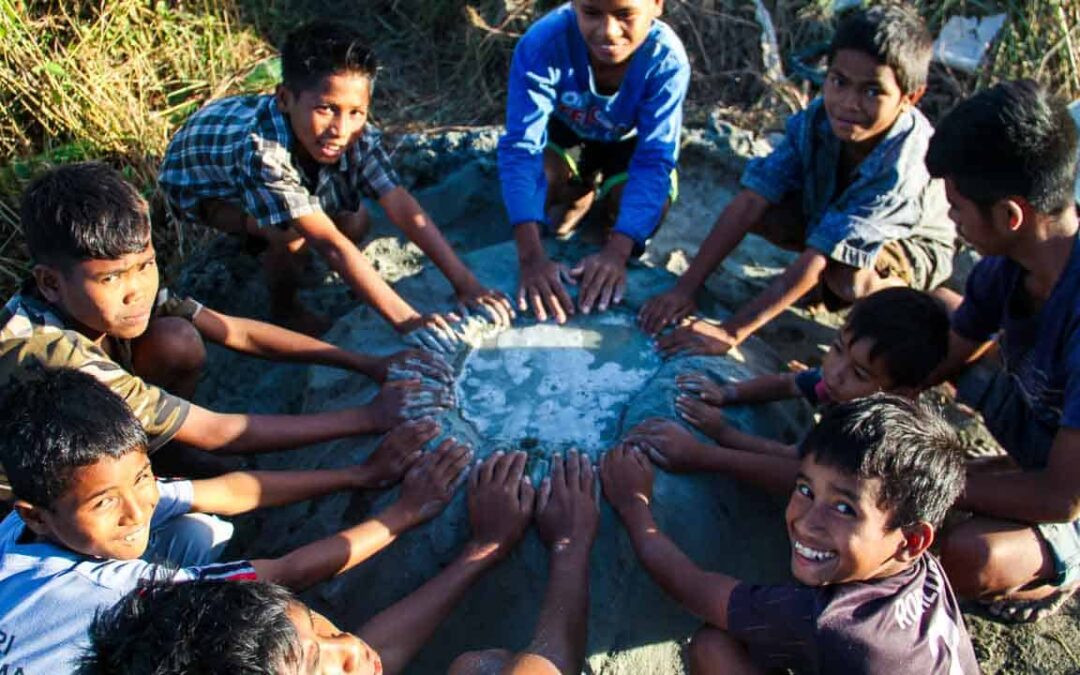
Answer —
909 448
207 627
895 35
319 49
908 331
83 211
54 421
1013 139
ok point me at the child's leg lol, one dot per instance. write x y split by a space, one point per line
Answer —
916 262
784 224
714 651
190 540
568 199
170 355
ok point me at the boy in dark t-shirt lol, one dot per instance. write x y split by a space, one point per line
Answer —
1009 156
876 478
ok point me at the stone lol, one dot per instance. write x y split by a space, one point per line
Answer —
544 389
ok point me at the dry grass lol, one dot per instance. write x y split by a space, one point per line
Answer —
111 79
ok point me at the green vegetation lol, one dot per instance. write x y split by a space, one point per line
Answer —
111 80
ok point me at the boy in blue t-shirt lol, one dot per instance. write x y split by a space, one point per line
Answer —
847 188
91 523
1009 156
608 79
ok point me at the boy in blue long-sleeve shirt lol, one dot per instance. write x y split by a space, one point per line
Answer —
604 77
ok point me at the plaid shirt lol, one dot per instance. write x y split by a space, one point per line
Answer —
240 150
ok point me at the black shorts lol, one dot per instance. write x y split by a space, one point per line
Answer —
589 160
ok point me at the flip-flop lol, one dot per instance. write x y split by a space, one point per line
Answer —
1029 611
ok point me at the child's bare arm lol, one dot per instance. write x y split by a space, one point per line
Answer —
500 508
627 478
397 402
755 390
747 208
268 341
427 490
405 212
243 491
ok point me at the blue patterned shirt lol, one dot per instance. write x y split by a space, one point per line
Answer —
890 197
240 150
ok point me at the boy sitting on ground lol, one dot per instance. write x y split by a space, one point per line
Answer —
876 478
891 342
93 303
240 628
89 512
290 170
1008 157
847 188
608 78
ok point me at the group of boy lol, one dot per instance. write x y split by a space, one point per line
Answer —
109 569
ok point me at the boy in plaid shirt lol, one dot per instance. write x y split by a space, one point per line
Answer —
290 170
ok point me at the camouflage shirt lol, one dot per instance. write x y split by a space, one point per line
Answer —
35 335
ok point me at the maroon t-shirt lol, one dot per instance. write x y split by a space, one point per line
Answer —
907 623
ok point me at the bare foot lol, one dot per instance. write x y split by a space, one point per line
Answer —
1014 611
397 451
708 418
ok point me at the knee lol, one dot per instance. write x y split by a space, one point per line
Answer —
714 651
354 224
970 562
846 283
480 662
176 342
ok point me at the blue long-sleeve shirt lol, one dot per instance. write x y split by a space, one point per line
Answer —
551 75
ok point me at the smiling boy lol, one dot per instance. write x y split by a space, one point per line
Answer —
846 188
593 115
876 478
291 170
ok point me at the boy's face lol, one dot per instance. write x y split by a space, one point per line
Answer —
986 232
105 513
862 97
328 649
848 372
614 29
328 118
838 533
105 297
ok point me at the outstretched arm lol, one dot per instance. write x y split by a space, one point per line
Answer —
500 507
627 478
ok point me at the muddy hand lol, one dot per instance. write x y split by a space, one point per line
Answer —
664 309
432 480
708 418
436 333
566 511
428 401
542 287
501 502
397 451
417 363
603 280
627 478
704 387
491 303
695 337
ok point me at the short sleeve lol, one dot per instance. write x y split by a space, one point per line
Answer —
781 171
376 175
777 624
272 190
170 304
982 311
174 500
808 382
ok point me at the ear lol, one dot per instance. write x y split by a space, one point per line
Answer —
48 282
285 97
33 516
917 539
914 97
1015 212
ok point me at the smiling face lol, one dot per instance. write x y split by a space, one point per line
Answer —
329 117
106 512
838 532
327 649
848 372
104 297
862 97
614 29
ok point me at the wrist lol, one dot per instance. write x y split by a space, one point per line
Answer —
399 517
405 321
360 477
620 246
573 553
529 247
634 511
483 552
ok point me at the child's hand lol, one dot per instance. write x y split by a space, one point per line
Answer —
402 400
434 332
411 364
709 419
396 452
541 287
501 500
603 280
432 480
566 511
627 477
490 302
665 309
667 443
705 388
695 337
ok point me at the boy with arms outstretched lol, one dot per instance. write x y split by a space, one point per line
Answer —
94 303
891 342
291 169
1008 157
609 78
847 188
91 521
876 478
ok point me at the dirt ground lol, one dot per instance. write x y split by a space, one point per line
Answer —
458 171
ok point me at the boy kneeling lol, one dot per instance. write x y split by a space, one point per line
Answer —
877 476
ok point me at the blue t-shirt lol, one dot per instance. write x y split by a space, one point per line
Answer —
890 197
551 75
49 595
811 385
1041 350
